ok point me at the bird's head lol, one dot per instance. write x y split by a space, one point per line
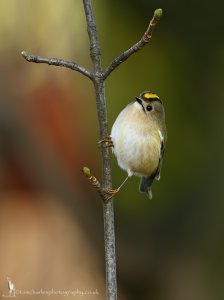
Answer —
150 104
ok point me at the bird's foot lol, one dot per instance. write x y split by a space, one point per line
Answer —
110 193
106 142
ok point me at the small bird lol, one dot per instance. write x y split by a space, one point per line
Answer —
138 138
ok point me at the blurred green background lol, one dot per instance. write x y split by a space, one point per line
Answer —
168 248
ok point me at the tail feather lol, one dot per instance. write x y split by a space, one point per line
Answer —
145 186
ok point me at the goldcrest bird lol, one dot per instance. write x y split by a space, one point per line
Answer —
138 138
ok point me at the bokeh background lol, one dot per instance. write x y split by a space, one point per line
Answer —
51 227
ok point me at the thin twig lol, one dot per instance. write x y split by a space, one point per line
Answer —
96 184
137 46
95 52
57 62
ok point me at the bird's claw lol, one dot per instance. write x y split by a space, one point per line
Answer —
106 142
110 193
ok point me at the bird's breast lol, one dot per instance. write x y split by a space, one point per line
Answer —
137 148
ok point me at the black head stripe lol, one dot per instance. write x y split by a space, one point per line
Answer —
155 99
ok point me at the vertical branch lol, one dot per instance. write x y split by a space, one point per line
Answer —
108 209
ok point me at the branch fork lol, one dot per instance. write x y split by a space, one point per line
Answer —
103 193
103 74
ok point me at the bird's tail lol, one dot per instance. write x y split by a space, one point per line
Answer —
145 185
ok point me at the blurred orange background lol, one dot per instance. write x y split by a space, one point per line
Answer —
51 225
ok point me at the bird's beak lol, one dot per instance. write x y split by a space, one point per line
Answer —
138 100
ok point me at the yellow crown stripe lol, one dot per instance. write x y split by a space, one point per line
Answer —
150 96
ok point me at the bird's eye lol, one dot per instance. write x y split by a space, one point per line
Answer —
148 107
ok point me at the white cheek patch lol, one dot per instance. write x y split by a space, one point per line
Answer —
137 105
160 135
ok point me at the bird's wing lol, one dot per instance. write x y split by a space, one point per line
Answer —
162 149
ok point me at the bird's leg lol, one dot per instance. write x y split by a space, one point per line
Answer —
123 182
111 192
106 142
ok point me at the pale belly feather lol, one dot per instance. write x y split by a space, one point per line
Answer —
137 152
